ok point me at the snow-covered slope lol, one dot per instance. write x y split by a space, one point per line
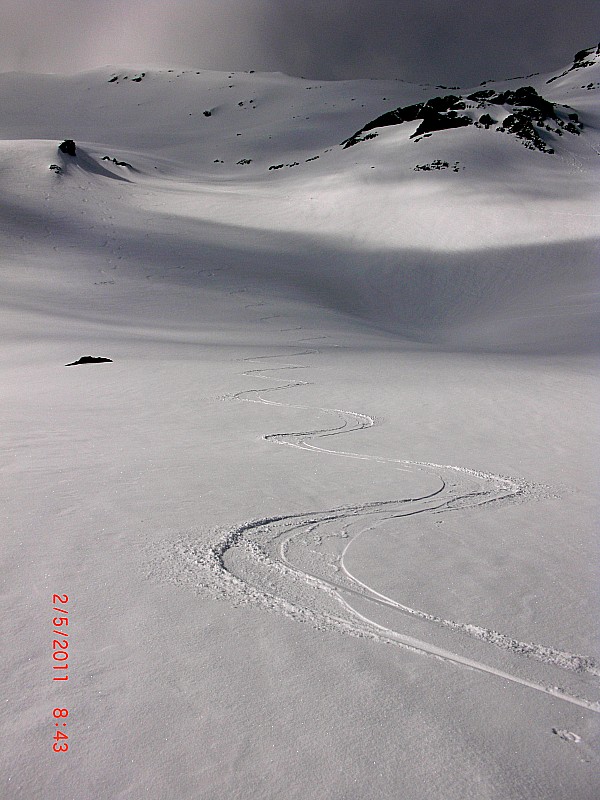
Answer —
324 498
462 236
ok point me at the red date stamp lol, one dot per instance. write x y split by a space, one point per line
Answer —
60 657
59 745
60 646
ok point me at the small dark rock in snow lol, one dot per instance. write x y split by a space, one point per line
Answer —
55 168
68 147
486 120
88 360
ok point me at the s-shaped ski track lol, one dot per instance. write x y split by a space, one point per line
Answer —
251 563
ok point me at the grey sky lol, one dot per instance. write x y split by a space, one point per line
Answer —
450 41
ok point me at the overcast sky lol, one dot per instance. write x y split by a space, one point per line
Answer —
449 41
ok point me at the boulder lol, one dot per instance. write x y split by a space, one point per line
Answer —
67 147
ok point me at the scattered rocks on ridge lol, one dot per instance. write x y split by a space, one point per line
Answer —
136 78
281 166
118 163
438 164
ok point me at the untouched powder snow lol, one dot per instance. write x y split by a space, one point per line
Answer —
322 488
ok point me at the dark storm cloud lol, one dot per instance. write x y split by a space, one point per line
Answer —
464 41
458 41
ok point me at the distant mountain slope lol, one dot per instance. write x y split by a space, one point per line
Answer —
582 60
439 225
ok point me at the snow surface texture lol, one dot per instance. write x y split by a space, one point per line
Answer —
351 386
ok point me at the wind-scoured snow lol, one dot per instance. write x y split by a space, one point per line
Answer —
354 387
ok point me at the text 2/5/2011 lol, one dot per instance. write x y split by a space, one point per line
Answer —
60 657
60 646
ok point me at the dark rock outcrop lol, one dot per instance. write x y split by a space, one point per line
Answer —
68 147
438 113
530 113
88 360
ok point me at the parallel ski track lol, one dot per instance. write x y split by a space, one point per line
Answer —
246 560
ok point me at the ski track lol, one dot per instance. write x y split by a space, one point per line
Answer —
251 563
